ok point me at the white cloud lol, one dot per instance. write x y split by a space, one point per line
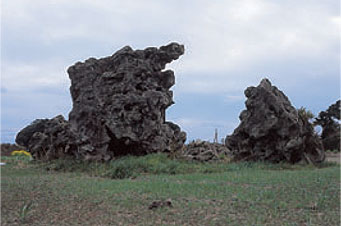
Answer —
234 98
230 45
195 122
20 77
220 36
103 21
225 37
204 129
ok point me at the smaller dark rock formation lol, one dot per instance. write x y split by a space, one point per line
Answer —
328 120
272 130
48 139
204 151
6 149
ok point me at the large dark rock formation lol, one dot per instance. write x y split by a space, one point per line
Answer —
119 105
328 120
271 130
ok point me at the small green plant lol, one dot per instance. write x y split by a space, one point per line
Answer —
304 113
223 157
24 211
333 151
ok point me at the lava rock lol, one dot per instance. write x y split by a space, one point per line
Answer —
272 130
6 149
48 139
119 108
205 151
119 103
160 204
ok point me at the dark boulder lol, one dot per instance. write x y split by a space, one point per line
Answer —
6 149
48 139
204 151
272 130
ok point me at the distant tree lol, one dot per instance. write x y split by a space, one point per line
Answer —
328 117
304 113
329 121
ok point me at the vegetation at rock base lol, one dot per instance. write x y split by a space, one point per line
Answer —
231 194
21 153
6 149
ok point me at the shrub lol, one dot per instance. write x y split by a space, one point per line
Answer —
21 153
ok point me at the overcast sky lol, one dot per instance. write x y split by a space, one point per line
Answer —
229 44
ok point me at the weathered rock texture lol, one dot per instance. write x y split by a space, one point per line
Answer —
6 149
48 139
119 105
271 130
328 120
204 151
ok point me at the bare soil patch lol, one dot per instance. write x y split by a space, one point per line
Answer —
333 157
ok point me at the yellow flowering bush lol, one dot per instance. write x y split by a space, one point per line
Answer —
21 153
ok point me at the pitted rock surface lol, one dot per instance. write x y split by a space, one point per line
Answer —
204 151
271 130
7 148
119 108
119 103
48 139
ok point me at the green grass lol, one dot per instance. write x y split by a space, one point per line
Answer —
132 167
333 151
74 193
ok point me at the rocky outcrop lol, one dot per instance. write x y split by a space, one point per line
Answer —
48 139
120 102
271 130
331 130
204 151
7 148
119 108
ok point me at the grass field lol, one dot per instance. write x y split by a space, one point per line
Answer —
200 194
